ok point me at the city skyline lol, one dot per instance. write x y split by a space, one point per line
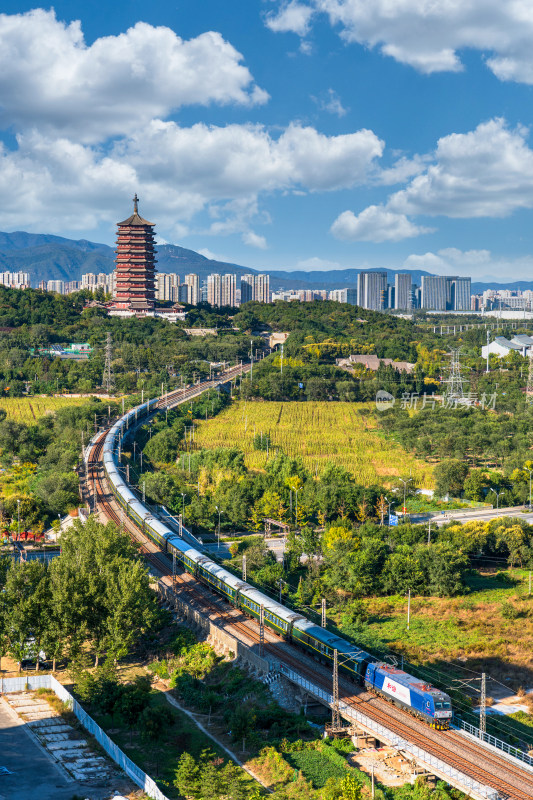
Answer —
285 135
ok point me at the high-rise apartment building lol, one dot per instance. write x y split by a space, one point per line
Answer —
247 288
255 287
372 290
193 282
167 286
262 288
227 290
403 291
214 296
55 286
434 292
15 280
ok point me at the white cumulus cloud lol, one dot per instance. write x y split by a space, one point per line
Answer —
51 79
58 184
487 172
254 240
292 17
375 224
429 35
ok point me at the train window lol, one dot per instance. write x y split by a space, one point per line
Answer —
438 705
447 706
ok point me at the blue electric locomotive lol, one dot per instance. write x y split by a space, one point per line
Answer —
412 694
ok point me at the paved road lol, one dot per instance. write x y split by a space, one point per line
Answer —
34 775
481 514
276 545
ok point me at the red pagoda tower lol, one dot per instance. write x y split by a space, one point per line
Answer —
135 264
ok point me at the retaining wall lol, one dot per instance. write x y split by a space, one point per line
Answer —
220 640
134 772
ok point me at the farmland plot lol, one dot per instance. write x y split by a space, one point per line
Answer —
30 409
343 433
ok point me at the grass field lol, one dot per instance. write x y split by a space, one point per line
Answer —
492 624
29 409
344 433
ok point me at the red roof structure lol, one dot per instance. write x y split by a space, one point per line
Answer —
135 264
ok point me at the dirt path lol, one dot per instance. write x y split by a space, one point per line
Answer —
173 702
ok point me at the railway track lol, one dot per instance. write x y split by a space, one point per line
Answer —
466 756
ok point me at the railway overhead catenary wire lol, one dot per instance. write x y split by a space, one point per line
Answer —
468 757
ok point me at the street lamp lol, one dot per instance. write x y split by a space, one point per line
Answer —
182 505
389 505
530 472
497 497
405 491
218 509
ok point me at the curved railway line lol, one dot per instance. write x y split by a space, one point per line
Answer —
487 767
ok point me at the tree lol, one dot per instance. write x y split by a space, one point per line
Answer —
27 597
450 477
475 484
186 777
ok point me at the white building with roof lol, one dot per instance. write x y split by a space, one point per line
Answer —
501 346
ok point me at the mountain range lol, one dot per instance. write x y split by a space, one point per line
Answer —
48 257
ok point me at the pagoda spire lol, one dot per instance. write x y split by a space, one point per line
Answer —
135 204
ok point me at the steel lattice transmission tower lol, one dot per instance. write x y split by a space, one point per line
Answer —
456 382
108 380
529 387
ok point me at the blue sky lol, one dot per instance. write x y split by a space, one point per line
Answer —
284 135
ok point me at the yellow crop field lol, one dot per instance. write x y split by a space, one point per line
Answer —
30 409
343 433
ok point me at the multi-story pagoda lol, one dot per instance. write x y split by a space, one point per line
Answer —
135 264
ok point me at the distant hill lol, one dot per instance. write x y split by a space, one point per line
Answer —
48 257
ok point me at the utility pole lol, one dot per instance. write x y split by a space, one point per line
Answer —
244 567
429 533
173 569
335 714
251 361
529 387
488 342
483 706
261 630
144 491
323 622
108 375
281 361
408 609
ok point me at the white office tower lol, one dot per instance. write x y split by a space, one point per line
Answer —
434 292
214 289
372 290
193 282
167 286
402 291
461 291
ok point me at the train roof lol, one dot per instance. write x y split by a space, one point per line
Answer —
271 605
403 678
224 575
331 640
